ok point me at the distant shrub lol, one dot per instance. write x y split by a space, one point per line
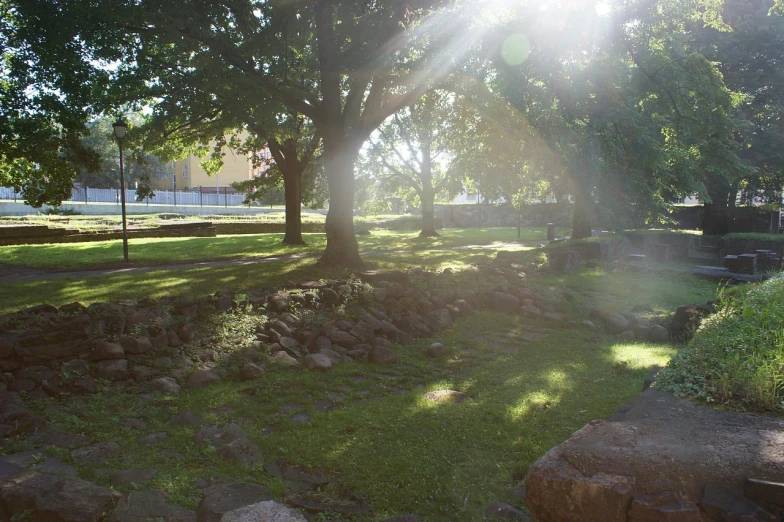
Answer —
737 355
58 211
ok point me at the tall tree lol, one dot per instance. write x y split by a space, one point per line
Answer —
346 66
414 149
46 88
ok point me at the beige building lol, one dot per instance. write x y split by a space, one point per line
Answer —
190 175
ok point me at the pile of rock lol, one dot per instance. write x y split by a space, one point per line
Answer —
55 352
630 326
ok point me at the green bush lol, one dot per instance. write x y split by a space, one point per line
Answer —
59 211
736 357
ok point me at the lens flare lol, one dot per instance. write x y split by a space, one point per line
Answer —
516 48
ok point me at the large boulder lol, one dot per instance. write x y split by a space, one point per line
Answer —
52 498
655 444
614 323
687 319
504 302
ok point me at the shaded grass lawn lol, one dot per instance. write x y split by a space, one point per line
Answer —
665 289
400 453
76 256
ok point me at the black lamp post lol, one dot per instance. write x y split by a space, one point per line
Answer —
120 129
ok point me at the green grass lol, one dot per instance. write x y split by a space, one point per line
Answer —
736 358
77 256
778 238
614 289
660 231
400 453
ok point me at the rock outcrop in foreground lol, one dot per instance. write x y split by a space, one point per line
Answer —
663 459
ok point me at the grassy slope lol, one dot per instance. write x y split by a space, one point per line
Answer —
76 256
400 452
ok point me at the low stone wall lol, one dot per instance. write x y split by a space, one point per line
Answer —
648 243
224 229
739 219
10 208
41 234
484 215
661 458
737 246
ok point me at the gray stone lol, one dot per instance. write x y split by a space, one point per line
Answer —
143 373
94 454
439 319
104 351
23 458
364 332
226 496
658 334
291 345
650 378
54 467
136 345
201 378
654 443
317 362
251 372
382 355
54 498
344 339
445 396
464 307
615 323
269 511
282 328
437 350
335 357
114 370
323 343
242 451
504 302
164 385
284 359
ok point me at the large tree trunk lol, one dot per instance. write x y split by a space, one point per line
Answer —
582 214
342 250
292 186
716 215
340 153
428 194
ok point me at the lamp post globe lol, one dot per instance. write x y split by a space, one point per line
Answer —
120 130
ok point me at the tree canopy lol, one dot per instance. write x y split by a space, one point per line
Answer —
623 106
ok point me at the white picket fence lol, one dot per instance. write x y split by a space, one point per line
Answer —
162 197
